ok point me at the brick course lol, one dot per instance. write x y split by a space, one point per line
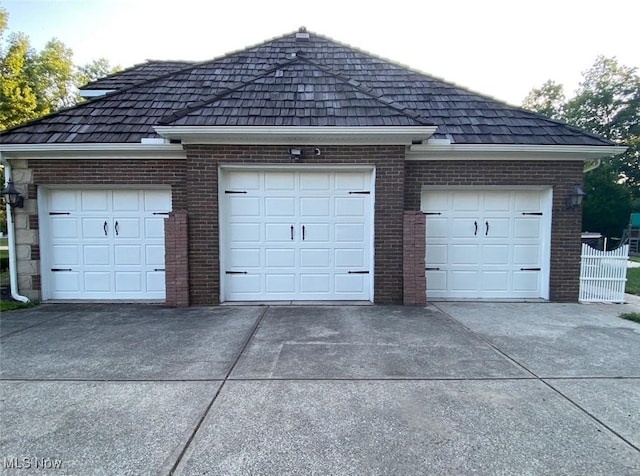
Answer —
176 241
414 255
561 176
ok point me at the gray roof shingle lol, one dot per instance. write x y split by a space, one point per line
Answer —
317 82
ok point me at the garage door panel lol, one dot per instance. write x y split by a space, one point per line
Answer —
317 233
96 255
127 228
280 258
496 255
155 281
314 181
437 254
350 207
345 232
97 281
244 258
350 283
95 201
463 228
280 283
526 281
66 282
528 202
496 228
128 281
128 255
274 233
496 203
463 280
96 228
437 228
526 255
65 255
529 228
464 254
275 207
154 228
466 202
350 258
245 285
154 255
495 281
279 181
244 206
351 181
126 201
436 280
315 258
315 283
245 232
243 181
64 201
315 207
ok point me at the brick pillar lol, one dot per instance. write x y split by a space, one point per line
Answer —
414 281
176 252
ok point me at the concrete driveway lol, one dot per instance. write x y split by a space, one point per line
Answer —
453 388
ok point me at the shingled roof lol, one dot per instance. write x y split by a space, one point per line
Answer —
294 80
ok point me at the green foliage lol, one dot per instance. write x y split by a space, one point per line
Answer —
14 305
633 281
631 316
608 204
36 83
607 103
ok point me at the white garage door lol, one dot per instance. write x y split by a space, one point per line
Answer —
488 244
105 244
296 235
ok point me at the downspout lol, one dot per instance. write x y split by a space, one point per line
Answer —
592 166
13 269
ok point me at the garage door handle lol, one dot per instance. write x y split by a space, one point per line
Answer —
292 232
117 228
486 231
104 227
302 232
475 223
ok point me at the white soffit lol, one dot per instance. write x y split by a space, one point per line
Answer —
93 151
297 135
442 151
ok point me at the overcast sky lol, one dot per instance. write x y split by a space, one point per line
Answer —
497 47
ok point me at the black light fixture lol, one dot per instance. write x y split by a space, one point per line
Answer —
11 196
574 200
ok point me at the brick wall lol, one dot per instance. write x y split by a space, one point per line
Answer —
561 176
414 256
176 250
202 199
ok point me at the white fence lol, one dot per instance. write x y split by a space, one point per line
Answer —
603 274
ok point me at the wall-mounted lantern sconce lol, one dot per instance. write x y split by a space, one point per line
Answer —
296 154
574 200
11 196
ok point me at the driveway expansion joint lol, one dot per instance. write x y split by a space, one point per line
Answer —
246 343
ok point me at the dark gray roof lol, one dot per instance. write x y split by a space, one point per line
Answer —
139 73
288 81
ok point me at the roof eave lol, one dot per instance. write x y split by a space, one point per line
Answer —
421 152
293 135
93 151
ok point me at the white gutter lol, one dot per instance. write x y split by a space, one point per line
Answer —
109 151
437 151
294 135
13 269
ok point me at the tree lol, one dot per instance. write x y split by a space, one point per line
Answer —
35 83
606 103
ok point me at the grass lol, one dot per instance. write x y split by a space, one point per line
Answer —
631 316
633 281
13 305
635 258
